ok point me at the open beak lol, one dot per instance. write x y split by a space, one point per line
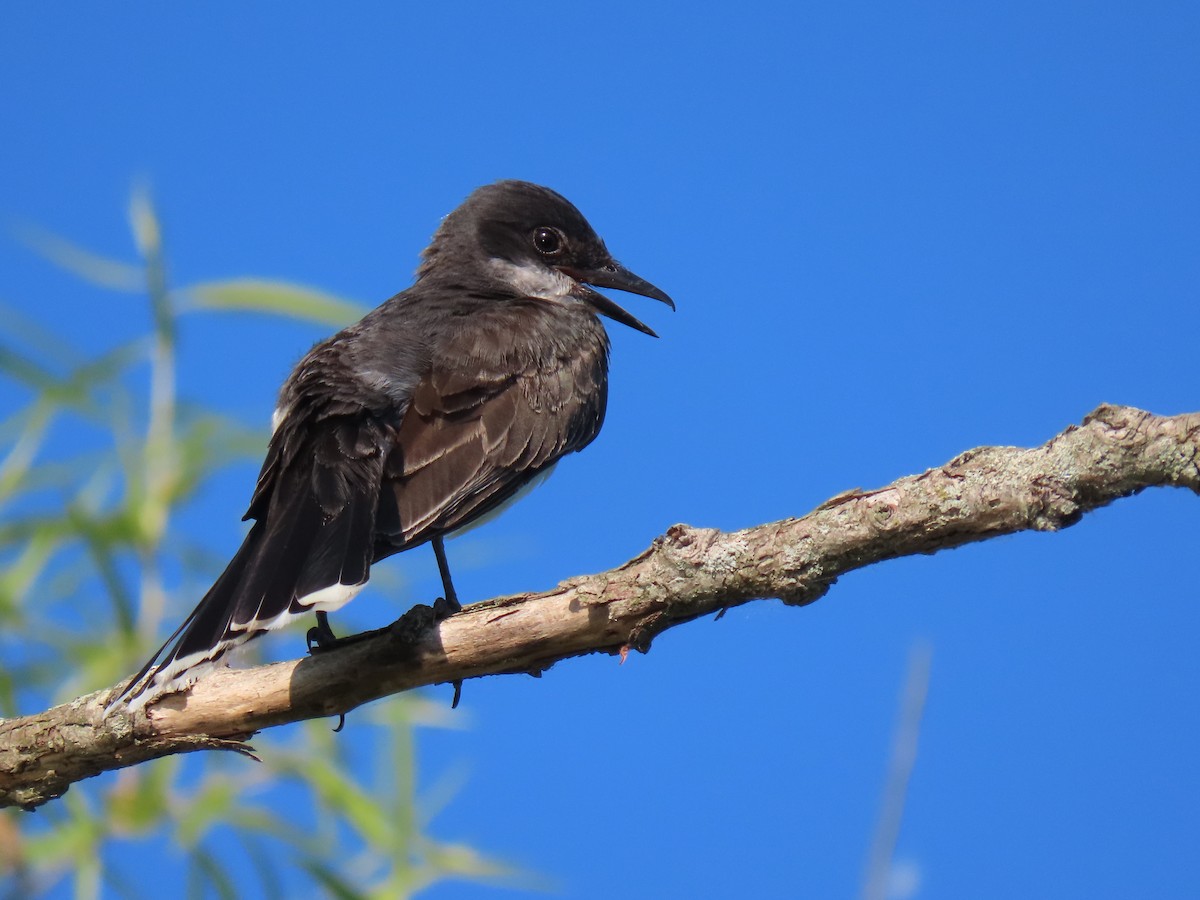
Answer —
615 275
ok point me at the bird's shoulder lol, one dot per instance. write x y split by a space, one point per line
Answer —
427 358
518 385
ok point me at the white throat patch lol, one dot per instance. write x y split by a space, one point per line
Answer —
533 280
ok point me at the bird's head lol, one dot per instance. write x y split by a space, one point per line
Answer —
539 245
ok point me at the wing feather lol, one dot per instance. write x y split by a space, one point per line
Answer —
472 438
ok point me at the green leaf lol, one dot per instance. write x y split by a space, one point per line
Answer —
27 332
20 574
205 443
15 466
138 801
206 871
205 809
340 794
336 886
466 862
74 835
78 386
108 366
268 876
91 267
147 235
143 221
21 368
279 298
261 823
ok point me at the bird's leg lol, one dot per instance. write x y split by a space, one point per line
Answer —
447 605
320 636
444 607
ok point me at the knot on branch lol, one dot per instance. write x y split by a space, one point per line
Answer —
1054 507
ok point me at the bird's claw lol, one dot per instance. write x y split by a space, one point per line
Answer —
321 637
444 608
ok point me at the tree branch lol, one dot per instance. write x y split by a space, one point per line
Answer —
687 573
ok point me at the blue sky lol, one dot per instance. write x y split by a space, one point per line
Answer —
893 231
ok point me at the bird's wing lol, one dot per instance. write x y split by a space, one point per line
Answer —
474 435
316 500
311 548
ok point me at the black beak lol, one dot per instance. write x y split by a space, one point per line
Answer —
615 275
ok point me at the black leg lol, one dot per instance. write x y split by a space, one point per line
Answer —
450 605
320 636
451 597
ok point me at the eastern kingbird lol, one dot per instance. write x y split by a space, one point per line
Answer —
433 411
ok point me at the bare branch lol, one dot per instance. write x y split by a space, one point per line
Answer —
687 573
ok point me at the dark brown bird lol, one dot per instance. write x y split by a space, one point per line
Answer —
432 412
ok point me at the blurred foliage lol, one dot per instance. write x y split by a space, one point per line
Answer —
93 571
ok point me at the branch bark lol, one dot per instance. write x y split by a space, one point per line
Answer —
687 573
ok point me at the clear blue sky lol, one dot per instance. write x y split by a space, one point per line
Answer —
894 232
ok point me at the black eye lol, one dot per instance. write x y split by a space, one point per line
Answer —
547 240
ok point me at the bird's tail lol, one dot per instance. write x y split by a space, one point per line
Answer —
293 562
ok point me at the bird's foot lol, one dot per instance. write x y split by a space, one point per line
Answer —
321 638
444 608
411 628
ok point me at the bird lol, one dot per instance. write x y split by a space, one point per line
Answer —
433 412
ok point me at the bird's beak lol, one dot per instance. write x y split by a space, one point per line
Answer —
615 275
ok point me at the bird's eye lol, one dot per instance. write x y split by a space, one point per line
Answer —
547 240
